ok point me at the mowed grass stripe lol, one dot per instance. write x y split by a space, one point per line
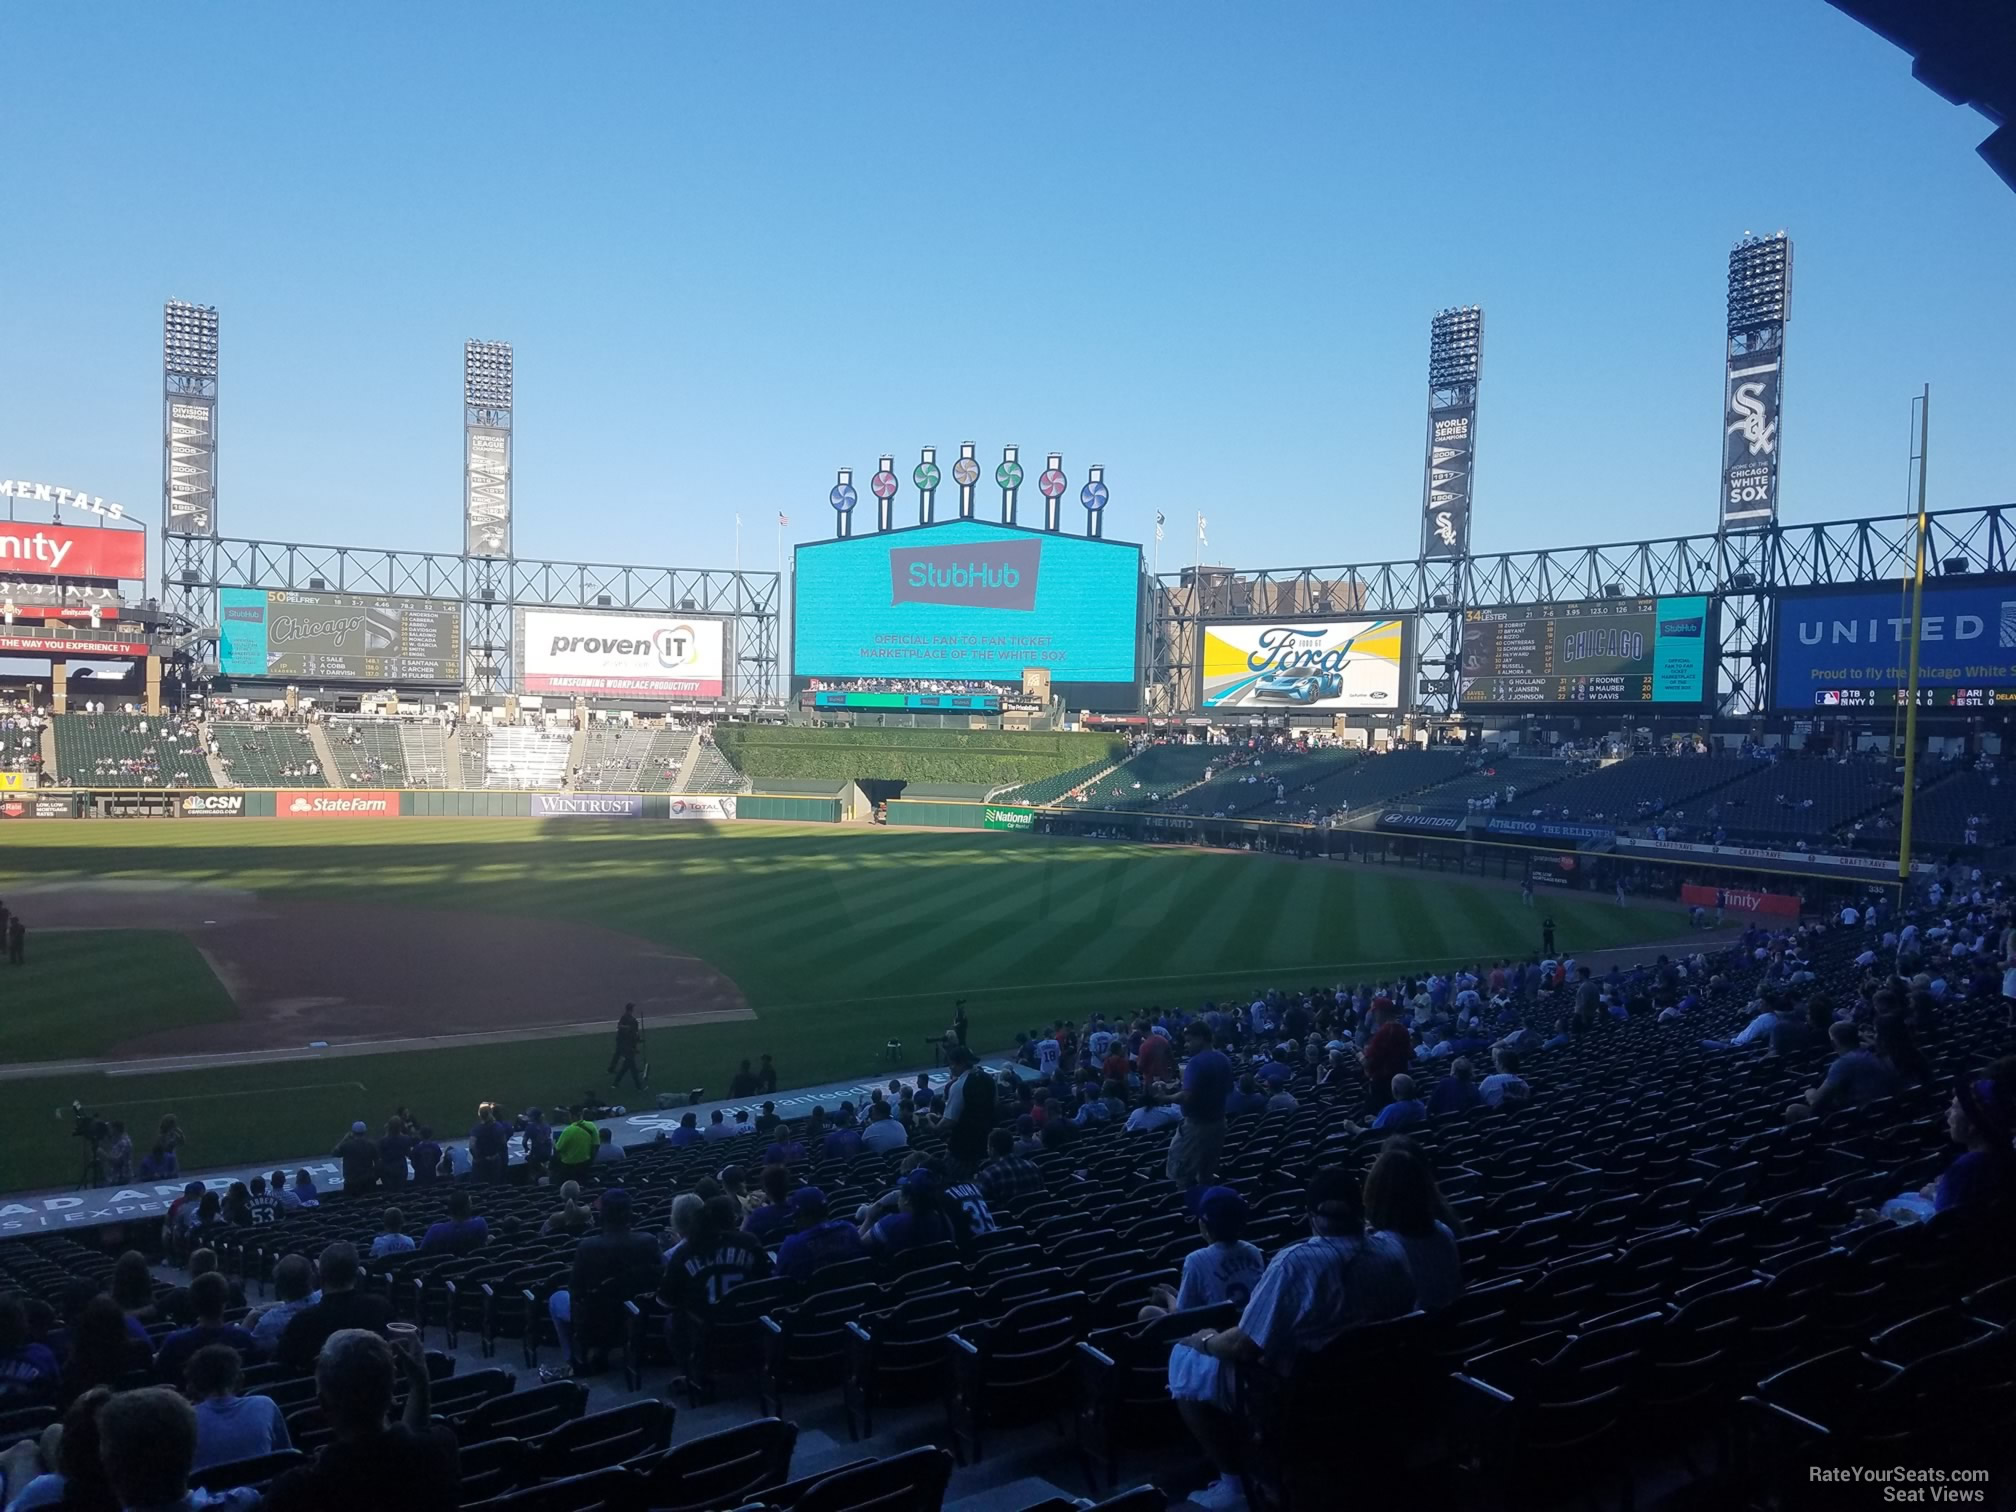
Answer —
1006 935
1147 896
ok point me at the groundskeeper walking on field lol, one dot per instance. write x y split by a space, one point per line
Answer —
629 1042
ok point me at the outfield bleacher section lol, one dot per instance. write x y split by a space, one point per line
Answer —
1268 788
129 750
267 756
1971 807
522 757
633 759
20 743
1053 789
1151 775
1379 779
371 754
1521 776
1635 790
712 772
1799 799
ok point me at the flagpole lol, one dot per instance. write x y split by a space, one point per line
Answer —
738 540
782 598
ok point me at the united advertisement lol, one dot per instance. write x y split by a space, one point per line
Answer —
670 656
969 601
1847 648
1263 665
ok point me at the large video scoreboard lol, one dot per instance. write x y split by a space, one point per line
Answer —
339 636
1602 651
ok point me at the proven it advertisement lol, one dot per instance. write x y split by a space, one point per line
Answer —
969 601
1306 664
644 655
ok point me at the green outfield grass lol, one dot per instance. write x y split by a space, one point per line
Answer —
85 989
841 939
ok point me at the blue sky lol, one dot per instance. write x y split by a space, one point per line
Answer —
736 247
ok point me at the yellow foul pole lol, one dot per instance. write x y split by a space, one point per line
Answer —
1917 626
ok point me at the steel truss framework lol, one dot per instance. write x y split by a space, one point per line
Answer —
489 588
1742 570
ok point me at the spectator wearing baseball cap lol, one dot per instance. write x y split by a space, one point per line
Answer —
821 1238
359 1154
610 1266
1225 1269
919 1219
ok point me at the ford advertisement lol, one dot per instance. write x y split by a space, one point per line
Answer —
968 601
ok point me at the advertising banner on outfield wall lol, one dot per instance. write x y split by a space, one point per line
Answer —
211 806
997 817
37 808
1739 899
339 804
14 782
703 807
620 655
587 806
1266 665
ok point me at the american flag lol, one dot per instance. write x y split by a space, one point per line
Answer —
783 520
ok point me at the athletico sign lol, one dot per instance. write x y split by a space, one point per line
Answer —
664 656
211 806
587 806
72 551
289 804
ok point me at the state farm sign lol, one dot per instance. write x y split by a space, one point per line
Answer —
289 804
72 551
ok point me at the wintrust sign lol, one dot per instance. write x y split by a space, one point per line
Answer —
72 552
288 804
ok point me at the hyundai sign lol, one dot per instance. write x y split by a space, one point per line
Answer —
1849 648
967 601
668 656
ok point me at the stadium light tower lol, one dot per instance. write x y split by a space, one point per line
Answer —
1455 364
1760 302
486 448
188 457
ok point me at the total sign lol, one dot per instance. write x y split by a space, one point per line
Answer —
656 656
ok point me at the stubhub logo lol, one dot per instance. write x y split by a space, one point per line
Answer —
981 575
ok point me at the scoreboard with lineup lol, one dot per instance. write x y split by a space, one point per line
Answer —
1602 651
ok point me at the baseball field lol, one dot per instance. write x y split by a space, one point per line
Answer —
187 966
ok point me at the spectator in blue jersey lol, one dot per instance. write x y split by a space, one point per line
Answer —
426 1157
785 1150
1311 1292
230 1426
457 1234
716 1257
209 1294
1456 1092
1981 1119
28 1370
1245 1098
538 1136
395 1153
843 1140
392 1236
293 1281
1225 1269
821 1238
688 1132
919 1217
1405 1111
1207 1082
774 1219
